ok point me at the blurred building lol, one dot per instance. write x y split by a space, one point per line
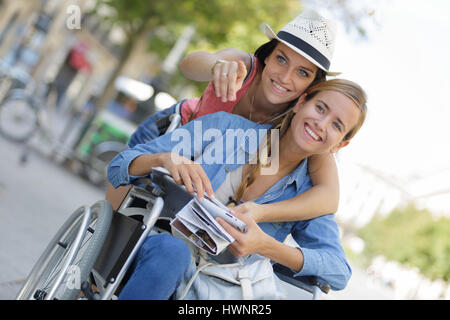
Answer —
69 46
42 36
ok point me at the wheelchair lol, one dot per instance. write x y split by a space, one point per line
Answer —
92 254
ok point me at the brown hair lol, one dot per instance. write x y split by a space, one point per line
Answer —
346 87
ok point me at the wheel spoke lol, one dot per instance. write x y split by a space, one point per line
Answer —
48 270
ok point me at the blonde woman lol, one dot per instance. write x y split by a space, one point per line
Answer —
324 120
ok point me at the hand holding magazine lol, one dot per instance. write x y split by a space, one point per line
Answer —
197 223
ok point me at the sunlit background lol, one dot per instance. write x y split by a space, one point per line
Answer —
100 70
401 157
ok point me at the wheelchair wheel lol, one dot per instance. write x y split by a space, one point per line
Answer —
70 256
18 118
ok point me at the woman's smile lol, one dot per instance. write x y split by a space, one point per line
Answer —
278 88
311 134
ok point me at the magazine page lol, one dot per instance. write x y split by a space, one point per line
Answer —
200 228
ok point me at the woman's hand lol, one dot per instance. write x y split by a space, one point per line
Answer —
252 241
249 208
228 77
187 172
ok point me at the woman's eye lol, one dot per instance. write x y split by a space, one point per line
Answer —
281 59
337 125
302 73
320 108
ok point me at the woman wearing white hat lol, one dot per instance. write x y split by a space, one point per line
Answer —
262 88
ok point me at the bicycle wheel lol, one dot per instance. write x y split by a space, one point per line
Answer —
70 256
18 118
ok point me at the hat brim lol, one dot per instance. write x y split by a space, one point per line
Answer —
271 35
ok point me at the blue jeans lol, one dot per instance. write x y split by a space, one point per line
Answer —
160 266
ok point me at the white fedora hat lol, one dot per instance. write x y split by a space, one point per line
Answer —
310 35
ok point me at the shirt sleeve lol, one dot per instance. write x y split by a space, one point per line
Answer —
323 254
186 140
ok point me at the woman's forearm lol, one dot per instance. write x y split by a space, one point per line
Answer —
304 206
282 253
143 164
197 66
255 240
324 176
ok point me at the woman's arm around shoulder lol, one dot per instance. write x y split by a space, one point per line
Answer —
322 198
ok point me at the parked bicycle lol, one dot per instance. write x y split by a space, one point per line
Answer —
21 103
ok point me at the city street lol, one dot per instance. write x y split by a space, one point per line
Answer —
93 75
36 198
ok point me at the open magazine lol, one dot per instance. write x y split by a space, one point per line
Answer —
197 223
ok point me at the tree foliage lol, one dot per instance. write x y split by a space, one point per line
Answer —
412 237
218 23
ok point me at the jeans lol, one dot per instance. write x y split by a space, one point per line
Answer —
160 266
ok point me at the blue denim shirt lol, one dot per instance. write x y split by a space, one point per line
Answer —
317 238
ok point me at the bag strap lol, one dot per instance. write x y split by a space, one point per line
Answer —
191 281
243 277
246 284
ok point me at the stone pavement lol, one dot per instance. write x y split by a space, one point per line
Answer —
35 199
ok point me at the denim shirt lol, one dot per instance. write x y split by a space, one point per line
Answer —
317 238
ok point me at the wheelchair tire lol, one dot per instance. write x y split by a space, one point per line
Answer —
77 244
18 118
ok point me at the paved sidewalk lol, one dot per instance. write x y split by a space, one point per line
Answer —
35 199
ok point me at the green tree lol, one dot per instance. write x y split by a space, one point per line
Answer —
218 23
412 237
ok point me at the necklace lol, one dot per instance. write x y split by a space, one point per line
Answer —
269 119
251 107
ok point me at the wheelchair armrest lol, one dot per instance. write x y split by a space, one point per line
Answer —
306 282
175 196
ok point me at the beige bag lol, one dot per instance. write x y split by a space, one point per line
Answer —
250 279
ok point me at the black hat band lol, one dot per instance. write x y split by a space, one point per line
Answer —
305 47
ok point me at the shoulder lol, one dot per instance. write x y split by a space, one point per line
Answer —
230 120
222 120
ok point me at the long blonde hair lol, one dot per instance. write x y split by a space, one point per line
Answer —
348 88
